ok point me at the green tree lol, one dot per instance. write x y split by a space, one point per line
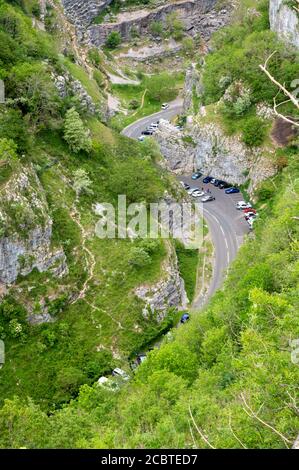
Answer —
82 182
75 134
253 131
113 40
175 25
139 257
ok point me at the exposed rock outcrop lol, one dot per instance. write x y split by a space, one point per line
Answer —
168 292
193 89
193 14
68 86
83 12
26 227
206 147
284 19
198 17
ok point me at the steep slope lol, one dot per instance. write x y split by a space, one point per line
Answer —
229 378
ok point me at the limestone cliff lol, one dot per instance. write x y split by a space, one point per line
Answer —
168 292
206 147
284 19
26 230
198 16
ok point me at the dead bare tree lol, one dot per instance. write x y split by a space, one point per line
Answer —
285 91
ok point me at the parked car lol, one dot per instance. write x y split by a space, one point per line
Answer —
196 175
191 191
207 179
140 358
165 106
185 185
223 185
243 205
198 193
208 198
117 372
147 132
141 138
185 317
249 209
216 183
251 215
250 223
232 190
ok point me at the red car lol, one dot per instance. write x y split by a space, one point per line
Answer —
249 210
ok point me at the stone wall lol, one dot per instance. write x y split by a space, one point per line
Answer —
27 239
285 21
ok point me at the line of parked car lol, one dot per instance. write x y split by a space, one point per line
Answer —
229 189
206 195
249 212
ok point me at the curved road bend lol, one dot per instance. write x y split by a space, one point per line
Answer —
227 225
134 130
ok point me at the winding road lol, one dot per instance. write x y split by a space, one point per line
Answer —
227 225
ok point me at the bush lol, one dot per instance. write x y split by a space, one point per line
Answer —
113 40
254 132
139 257
75 134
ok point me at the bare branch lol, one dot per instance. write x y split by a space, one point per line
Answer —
282 116
199 431
248 410
282 88
232 431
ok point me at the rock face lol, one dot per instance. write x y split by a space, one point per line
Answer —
206 147
167 293
193 86
25 243
285 21
198 17
82 12
68 86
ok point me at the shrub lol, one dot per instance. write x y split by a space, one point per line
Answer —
113 40
139 257
156 28
253 132
75 134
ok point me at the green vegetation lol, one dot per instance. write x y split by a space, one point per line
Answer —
188 264
227 363
75 134
230 370
113 40
79 162
232 74
152 92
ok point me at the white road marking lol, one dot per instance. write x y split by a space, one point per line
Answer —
224 236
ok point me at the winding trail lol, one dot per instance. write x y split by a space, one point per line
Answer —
227 226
